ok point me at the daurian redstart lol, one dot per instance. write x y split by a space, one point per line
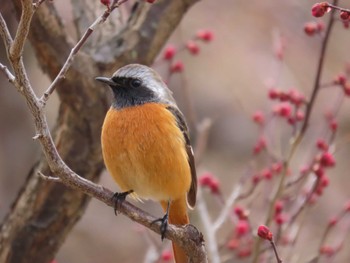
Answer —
146 145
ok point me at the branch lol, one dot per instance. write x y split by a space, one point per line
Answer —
7 73
16 50
5 34
61 75
83 126
300 136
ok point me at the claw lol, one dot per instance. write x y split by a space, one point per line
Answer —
118 198
163 222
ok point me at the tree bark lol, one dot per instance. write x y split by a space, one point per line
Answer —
45 212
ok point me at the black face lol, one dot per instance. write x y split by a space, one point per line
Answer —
130 92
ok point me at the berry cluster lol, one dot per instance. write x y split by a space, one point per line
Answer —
192 46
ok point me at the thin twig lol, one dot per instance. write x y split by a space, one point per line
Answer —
8 74
49 178
208 228
5 34
228 206
38 3
16 50
279 260
61 75
334 6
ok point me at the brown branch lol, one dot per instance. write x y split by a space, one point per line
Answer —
5 34
7 73
75 50
78 129
16 50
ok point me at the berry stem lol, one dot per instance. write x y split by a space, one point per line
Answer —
279 260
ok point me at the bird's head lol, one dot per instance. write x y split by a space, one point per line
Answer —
136 84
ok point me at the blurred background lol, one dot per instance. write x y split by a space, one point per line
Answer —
227 82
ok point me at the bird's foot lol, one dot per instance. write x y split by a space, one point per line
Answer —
163 224
118 198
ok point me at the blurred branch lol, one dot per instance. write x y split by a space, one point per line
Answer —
296 142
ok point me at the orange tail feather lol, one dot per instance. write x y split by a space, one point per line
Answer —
178 216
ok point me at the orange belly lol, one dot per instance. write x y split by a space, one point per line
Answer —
144 151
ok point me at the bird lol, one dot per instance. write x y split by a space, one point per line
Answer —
146 146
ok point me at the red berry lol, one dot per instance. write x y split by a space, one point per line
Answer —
327 250
192 47
105 2
322 145
346 24
241 228
238 210
273 93
319 9
333 125
167 255
347 206
215 186
276 167
260 145
346 88
244 252
264 232
324 181
150 1
205 35
340 79
310 28
327 159
280 219
205 179
233 244
256 179
318 170
333 221
344 15
169 52
283 109
210 181
279 207
258 117
177 66
266 173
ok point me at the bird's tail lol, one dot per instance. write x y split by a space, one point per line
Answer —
178 216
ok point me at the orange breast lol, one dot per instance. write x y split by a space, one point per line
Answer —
144 151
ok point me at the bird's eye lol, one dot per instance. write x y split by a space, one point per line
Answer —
135 83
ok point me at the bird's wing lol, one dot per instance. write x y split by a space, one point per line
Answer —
181 123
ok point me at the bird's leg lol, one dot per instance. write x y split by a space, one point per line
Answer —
118 198
163 222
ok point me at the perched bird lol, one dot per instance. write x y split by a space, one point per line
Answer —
146 146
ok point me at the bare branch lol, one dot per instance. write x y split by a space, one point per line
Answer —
210 231
5 34
49 178
38 3
74 51
16 49
7 73
228 205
